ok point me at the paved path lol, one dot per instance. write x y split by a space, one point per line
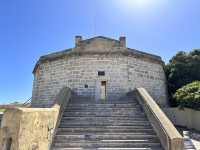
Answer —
196 144
190 144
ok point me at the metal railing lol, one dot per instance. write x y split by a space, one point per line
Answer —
28 102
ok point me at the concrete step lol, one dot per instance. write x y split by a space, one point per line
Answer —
117 124
108 148
94 118
91 114
108 144
146 140
104 102
108 126
106 136
89 99
129 129
102 113
103 105
141 131
97 120
96 109
105 123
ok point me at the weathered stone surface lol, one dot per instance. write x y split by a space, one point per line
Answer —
118 124
32 128
191 118
29 128
167 133
123 72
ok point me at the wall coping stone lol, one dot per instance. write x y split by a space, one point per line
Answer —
167 133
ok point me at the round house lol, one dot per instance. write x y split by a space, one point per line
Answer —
98 68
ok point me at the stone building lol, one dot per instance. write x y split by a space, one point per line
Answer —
98 68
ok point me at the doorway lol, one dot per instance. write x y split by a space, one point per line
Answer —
103 90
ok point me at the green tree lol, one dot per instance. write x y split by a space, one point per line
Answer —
182 69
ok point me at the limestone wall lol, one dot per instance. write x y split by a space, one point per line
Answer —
122 73
150 76
29 128
184 117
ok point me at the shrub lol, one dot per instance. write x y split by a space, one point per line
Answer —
182 69
189 95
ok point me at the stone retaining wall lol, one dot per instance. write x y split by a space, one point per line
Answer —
184 117
28 128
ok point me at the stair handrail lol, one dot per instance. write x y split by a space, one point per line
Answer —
27 102
169 136
9 106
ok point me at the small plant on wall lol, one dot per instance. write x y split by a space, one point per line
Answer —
189 95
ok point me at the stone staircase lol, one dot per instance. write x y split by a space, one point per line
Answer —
109 125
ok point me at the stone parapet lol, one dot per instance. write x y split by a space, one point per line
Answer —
167 133
28 128
32 128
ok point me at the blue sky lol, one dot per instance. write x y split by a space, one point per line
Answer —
31 28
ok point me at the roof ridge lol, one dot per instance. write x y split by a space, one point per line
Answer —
102 37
